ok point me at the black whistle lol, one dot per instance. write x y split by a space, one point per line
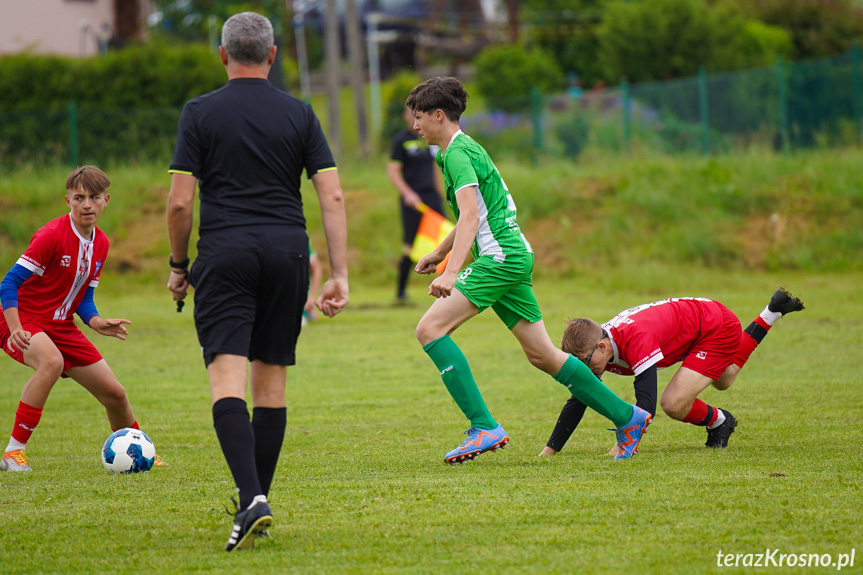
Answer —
180 304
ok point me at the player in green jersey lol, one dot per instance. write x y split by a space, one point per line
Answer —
499 278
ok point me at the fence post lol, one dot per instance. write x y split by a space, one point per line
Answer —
858 92
783 104
536 114
705 112
626 104
73 133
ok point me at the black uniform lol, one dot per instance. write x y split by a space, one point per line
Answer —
418 165
248 143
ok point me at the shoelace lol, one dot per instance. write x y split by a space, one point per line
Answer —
236 508
19 456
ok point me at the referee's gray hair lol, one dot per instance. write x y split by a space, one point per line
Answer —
247 38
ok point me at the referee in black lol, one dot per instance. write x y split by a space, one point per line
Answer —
246 145
413 172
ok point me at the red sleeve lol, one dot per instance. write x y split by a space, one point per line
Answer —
41 253
641 351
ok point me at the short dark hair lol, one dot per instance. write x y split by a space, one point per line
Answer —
89 178
440 93
247 38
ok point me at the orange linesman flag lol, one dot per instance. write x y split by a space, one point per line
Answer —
434 228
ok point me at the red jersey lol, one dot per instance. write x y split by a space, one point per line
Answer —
661 333
64 264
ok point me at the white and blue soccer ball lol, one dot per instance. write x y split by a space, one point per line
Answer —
128 451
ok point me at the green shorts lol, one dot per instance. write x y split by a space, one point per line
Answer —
503 286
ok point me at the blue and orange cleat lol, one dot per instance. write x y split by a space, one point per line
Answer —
629 435
478 441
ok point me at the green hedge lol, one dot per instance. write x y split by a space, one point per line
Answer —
128 103
144 76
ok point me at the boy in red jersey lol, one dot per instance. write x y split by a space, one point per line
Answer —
702 334
55 277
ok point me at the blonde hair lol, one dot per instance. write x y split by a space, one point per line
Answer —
580 336
89 178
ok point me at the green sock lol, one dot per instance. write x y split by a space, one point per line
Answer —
456 375
588 389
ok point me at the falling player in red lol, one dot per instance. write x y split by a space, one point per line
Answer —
55 277
702 334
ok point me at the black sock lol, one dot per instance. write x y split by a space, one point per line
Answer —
234 430
405 267
268 423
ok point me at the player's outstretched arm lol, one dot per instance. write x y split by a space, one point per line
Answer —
645 389
110 327
569 418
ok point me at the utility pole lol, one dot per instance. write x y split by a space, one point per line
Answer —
355 60
333 73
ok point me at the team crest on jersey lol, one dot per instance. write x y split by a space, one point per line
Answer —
701 355
66 261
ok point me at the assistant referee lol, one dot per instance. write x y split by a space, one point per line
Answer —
246 146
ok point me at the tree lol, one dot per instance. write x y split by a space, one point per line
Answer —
666 39
192 20
568 30
505 75
818 28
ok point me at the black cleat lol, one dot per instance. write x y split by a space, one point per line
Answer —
718 436
784 302
249 524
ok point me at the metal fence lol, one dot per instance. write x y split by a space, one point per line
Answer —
786 106
817 103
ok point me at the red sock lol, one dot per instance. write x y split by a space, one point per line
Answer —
752 336
133 426
701 414
26 419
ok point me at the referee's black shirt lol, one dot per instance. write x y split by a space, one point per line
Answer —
248 143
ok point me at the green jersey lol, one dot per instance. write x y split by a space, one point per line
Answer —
466 163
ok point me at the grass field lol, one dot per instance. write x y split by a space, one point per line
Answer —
361 487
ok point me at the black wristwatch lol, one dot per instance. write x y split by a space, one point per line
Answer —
180 266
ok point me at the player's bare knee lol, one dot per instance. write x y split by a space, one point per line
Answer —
113 396
425 333
674 407
722 384
51 364
539 361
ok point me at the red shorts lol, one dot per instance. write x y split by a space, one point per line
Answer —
715 349
76 349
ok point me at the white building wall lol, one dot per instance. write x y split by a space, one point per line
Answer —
64 27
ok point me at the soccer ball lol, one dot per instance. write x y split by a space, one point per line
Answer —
128 451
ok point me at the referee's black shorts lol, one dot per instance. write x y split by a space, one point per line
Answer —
251 284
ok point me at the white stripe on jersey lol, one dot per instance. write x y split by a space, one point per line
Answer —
31 265
85 260
486 241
